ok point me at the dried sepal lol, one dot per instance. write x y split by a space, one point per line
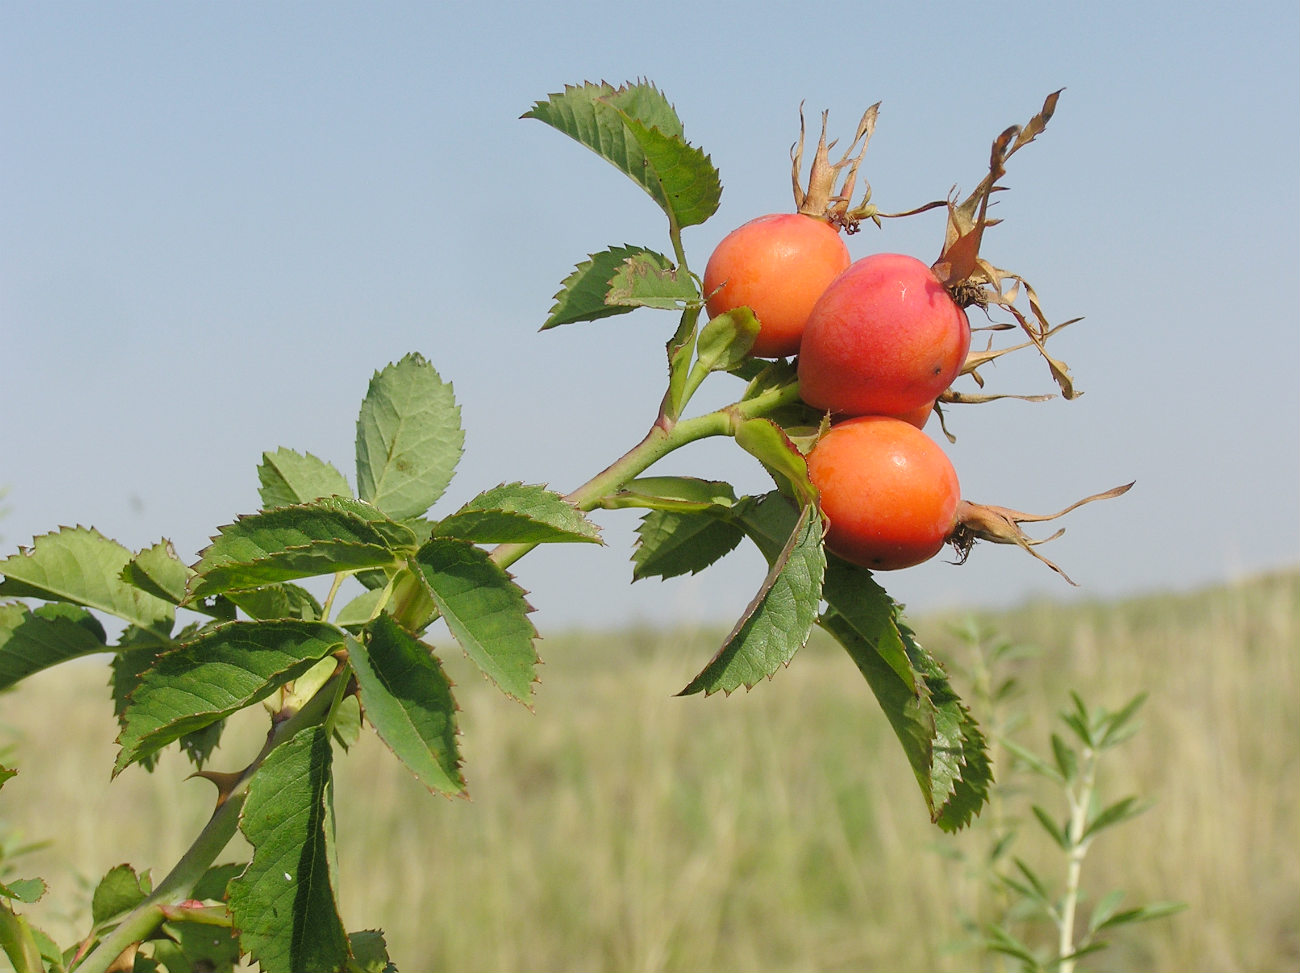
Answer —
822 199
1001 525
973 280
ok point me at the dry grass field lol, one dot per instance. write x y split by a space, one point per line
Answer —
617 827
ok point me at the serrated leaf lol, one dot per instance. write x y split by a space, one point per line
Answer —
25 890
369 953
485 611
277 601
288 477
407 699
778 621
582 295
223 670
409 438
119 891
284 904
671 543
82 566
635 129
35 639
158 571
325 536
942 742
643 280
518 513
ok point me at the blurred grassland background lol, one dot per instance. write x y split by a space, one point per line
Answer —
620 828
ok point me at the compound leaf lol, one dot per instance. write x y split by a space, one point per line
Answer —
485 611
219 672
288 477
518 513
82 566
284 904
409 438
780 618
407 698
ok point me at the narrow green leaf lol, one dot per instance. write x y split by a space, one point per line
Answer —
407 698
1054 830
1040 892
1119 726
778 621
583 294
1121 810
288 477
1146 913
671 543
409 438
643 281
221 671
325 536
1001 941
35 639
485 611
119 891
82 566
1106 907
518 513
1067 762
682 493
284 904
1031 760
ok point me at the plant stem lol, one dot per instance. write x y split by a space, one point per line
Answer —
216 834
1080 801
664 437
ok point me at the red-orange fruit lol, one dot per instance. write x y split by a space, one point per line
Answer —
883 339
776 265
888 491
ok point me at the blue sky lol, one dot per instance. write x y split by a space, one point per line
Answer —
217 220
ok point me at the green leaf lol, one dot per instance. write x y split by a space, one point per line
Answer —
35 639
277 601
768 443
220 672
407 698
212 886
671 543
288 477
328 535
26 890
191 946
485 611
1054 830
725 341
1067 763
284 904
369 953
20 943
636 130
647 280
582 295
780 618
1146 913
409 438
119 891
82 566
681 493
1121 810
518 513
158 571
1119 726
942 742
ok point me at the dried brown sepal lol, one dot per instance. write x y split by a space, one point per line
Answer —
1001 525
821 199
973 280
